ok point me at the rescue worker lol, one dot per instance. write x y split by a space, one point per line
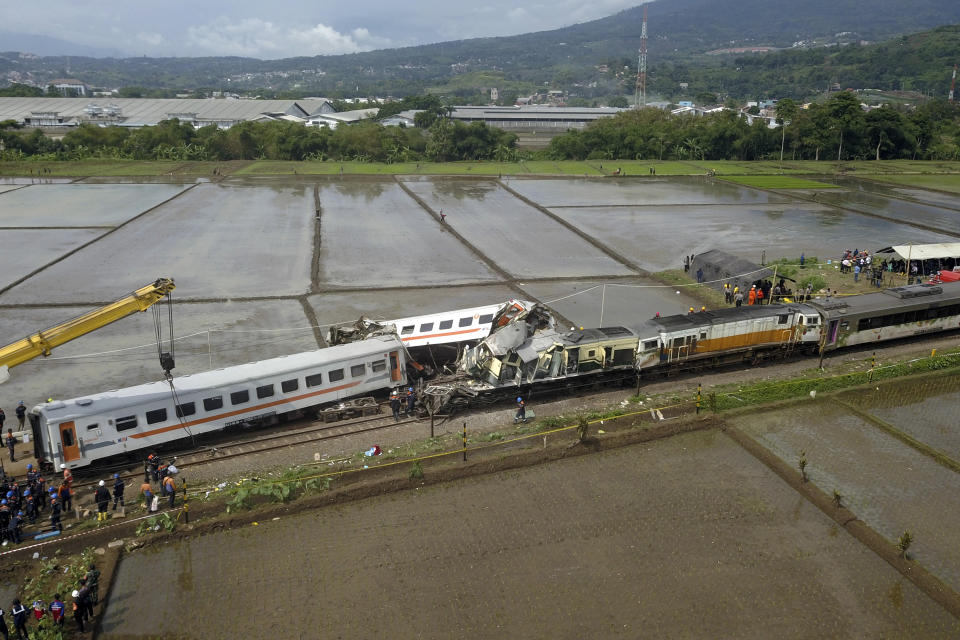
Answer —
703 308
93 581
153 464
752 295
170 489
11 443
738 298
30 507
79 612
19 618
83 594
15 527
760 295
145 490
4 519
521 415
39 610
67 476
395 405
66 497
55 509
690 311
21 414
411 401
727 293
118 488
3 626
102 498
57 610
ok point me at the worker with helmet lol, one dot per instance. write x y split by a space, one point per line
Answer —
118 487
55 509
66 496
411 401
102 498
395 405
521 415
4 518
30 506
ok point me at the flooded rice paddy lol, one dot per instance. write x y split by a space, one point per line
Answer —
688 536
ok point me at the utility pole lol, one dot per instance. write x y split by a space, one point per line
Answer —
953 83
640 95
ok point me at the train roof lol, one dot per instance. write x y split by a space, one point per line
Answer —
721 316
236 373
917 295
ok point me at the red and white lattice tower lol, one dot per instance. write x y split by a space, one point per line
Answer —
640 96
953 83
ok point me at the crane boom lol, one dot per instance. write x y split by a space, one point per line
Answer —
42 342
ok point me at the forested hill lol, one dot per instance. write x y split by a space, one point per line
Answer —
919 63
678 29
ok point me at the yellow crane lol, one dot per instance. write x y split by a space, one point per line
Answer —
42 342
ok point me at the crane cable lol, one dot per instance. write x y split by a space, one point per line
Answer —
158 331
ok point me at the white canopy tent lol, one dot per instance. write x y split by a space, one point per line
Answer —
925 251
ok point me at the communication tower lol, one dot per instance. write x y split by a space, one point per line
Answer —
640 95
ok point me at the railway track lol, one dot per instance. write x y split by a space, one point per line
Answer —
316 431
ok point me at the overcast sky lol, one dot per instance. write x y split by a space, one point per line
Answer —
285 28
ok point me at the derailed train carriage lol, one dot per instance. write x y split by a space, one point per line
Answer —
524 355
80 431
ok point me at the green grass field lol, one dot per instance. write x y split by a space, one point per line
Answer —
934 174
779 182
943 182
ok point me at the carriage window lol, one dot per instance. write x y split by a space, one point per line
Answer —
649 344
486 318
591 353
782 319
406 330
239 397
90 427
426 326
289 385
336 374
157 415
703 335
126 423
358 370
378 365
265 391
66 436
466 322
315 380
209 404
445 324
186 409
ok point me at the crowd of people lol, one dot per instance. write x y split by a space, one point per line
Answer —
765 292
53 615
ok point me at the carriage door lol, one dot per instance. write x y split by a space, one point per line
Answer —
834 329
68 441
395 373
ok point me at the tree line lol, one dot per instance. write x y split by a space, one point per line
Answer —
837 129
365 141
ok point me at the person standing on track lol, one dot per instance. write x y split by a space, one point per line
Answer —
170 489
395 405
21 414
411 401
521 415
102 498
11 441
147 492
118 488
55 509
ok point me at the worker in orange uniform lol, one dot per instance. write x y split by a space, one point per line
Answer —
752 295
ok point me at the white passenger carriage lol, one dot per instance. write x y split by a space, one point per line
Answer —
460 325
79 431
